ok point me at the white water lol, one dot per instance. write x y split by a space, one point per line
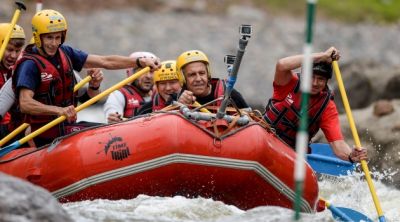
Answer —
351 192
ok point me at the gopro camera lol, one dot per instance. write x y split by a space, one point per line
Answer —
246 30
229 59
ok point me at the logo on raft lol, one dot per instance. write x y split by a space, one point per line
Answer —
117 147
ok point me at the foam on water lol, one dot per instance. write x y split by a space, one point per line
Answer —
350 192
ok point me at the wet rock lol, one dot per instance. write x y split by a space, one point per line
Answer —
383 107
392 88
359 90
23 201
381 136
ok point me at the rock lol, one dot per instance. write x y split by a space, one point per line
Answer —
381 136
356 84
23 201
392 88
383 107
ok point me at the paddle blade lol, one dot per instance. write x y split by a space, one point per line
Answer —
329 165
9 148
347 214
323 160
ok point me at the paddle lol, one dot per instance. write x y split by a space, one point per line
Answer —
204 110
345 214
356 138
25 125
323 160
60 119
82 83
20 6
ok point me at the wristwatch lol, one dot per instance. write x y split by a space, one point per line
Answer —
94 88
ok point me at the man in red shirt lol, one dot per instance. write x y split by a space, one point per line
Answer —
283 109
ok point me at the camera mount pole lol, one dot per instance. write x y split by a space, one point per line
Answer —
233 75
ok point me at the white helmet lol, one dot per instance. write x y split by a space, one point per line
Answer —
130 71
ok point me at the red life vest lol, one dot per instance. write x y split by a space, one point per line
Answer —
56 88
284 115
5 74
158 102
219 89
133 100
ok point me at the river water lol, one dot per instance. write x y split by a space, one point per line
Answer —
350 192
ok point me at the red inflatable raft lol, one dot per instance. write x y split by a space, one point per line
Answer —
167 154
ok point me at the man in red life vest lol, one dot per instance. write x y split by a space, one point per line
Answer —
199 86
10 56
283 109
168 84
126 102
43 77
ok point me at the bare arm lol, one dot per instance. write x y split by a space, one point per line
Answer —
120 62
33 107
284 66
341 149
344 152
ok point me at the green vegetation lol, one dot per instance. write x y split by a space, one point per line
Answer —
376 11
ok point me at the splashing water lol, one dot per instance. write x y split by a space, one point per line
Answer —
350 192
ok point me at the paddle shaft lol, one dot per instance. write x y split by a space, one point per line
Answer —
13 133
82 106
82 83
14 20
25 125
204 110
357 142
39 5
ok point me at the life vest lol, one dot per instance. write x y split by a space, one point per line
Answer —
284 115
158 102
219 89
5 74
56 88
133 100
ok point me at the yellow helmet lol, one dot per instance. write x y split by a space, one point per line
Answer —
192 56
48 21
17 32
167 72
